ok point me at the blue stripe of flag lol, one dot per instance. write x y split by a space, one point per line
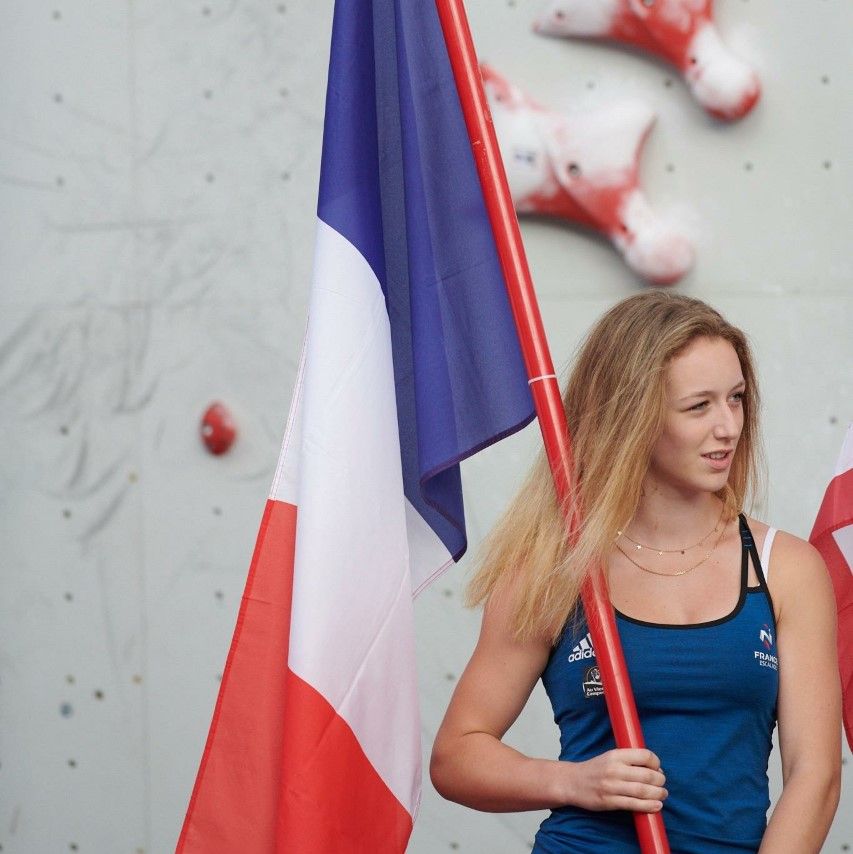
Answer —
398 181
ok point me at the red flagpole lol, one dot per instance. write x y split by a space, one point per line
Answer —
543 385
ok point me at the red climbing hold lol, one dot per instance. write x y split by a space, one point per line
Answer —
217 428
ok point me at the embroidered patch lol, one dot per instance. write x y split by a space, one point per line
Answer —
592 686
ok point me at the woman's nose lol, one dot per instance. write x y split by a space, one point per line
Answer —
728 423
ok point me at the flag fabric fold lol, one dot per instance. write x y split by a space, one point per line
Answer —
832 535
410 364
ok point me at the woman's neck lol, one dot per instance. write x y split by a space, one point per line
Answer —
665 518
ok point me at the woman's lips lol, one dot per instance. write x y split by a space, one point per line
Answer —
720 461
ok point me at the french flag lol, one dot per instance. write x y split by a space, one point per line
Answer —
410 364
832 536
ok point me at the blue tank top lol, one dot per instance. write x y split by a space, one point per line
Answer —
706 697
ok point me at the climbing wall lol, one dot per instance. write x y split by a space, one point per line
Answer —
158 174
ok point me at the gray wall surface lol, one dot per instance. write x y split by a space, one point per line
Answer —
158 174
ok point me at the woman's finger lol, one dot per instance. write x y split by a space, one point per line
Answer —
638 774
643 792
634 805
640 756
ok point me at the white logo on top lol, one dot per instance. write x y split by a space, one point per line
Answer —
766 659
583 649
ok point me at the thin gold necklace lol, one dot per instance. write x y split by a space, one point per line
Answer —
681 571
671 551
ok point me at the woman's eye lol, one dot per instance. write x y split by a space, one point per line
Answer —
738 397
699 406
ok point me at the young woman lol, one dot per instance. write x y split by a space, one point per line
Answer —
727 625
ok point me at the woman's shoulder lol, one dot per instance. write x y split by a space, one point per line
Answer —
798 568
789 550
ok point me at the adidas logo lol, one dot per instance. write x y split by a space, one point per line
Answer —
583 649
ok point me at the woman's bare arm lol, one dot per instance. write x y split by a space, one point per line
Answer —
809 707
471 765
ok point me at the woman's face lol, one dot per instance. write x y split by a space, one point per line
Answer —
704 418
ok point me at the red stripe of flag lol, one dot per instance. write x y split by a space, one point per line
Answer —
836 512
236 789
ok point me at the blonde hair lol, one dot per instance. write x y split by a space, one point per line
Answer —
615 403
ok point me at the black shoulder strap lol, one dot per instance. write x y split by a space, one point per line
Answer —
749 547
